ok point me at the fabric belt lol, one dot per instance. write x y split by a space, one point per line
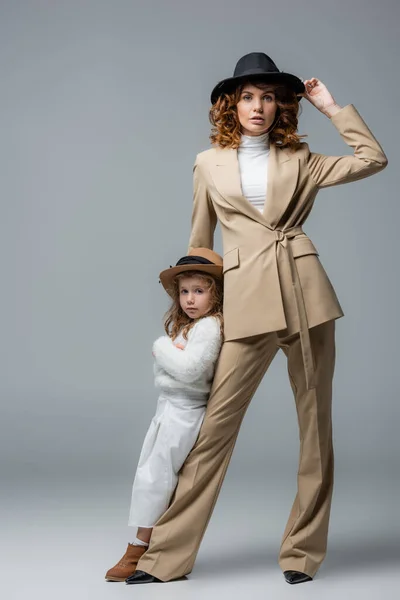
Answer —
282 237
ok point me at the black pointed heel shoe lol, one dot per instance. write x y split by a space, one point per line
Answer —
142 577
296 577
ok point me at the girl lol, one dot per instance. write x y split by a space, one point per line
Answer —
184 362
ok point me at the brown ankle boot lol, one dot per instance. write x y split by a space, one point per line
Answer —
127 565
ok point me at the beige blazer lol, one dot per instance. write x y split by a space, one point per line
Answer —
273 278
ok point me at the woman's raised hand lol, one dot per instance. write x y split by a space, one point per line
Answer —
318 94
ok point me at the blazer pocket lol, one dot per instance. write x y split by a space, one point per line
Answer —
302 247
230 260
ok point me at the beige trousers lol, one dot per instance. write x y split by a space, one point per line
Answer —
241 366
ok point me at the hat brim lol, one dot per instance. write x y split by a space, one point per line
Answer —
229 84
167 277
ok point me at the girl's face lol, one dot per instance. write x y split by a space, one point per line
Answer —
256 109
194 297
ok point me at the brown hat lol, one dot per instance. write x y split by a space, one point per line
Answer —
199 259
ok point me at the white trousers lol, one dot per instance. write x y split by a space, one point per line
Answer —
171 436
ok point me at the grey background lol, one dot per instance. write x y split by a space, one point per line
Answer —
103 108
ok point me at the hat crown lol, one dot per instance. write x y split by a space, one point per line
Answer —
255 61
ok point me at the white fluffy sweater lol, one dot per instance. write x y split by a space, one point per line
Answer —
189 371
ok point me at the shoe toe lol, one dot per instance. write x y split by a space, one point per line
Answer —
296 577
141 577
117 574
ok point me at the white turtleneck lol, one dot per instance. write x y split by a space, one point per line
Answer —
253 160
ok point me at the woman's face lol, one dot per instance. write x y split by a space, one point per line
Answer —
256 109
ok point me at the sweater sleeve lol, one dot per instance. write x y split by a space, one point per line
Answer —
368 157
200 353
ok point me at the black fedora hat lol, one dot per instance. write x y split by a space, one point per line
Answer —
256 65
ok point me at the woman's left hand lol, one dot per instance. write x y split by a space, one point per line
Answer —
318 94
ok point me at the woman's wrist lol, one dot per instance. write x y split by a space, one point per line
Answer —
331 110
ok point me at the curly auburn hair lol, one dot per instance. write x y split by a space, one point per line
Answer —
177 321
226 126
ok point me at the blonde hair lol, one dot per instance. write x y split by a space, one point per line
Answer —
177 321
224 118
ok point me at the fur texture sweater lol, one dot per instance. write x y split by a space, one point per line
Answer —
189 371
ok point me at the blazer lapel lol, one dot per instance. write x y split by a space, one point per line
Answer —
282 177
283 174
226 175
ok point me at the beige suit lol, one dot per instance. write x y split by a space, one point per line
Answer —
277 295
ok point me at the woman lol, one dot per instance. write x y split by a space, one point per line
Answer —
260 181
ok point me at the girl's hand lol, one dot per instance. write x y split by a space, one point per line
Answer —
179 346
318 94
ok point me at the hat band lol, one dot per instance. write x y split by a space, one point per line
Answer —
255 71
193 260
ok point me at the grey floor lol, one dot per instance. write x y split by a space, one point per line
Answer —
59 537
